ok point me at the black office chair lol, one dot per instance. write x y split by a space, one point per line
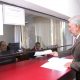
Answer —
14 46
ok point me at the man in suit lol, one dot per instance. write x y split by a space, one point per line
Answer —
74 28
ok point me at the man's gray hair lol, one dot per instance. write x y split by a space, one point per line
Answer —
75 20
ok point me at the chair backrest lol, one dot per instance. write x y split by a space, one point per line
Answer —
14 46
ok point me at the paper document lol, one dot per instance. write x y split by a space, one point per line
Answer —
61 60
56 63
39 53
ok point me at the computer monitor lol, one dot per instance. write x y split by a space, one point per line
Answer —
14 46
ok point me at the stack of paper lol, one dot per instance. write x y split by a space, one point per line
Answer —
57 63
61 60
45 52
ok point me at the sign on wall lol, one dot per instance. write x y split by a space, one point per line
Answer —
1 20
13 15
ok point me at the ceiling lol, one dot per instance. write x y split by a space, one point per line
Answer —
37 8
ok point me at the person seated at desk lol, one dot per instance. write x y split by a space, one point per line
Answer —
37 51
37 47
5 54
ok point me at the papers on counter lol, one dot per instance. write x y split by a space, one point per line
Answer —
57 63
61 60
40 53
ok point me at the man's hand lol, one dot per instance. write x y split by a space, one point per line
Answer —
54 54
67 65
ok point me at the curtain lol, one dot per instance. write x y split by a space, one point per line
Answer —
43 31
21 36
49 31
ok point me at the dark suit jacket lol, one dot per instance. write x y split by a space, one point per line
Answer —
75 51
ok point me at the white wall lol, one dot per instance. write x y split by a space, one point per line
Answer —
8 33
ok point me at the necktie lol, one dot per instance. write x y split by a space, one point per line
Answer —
74 41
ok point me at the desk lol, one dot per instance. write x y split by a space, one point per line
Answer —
30 70
5 59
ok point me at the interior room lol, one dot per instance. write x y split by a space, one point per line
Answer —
35 37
